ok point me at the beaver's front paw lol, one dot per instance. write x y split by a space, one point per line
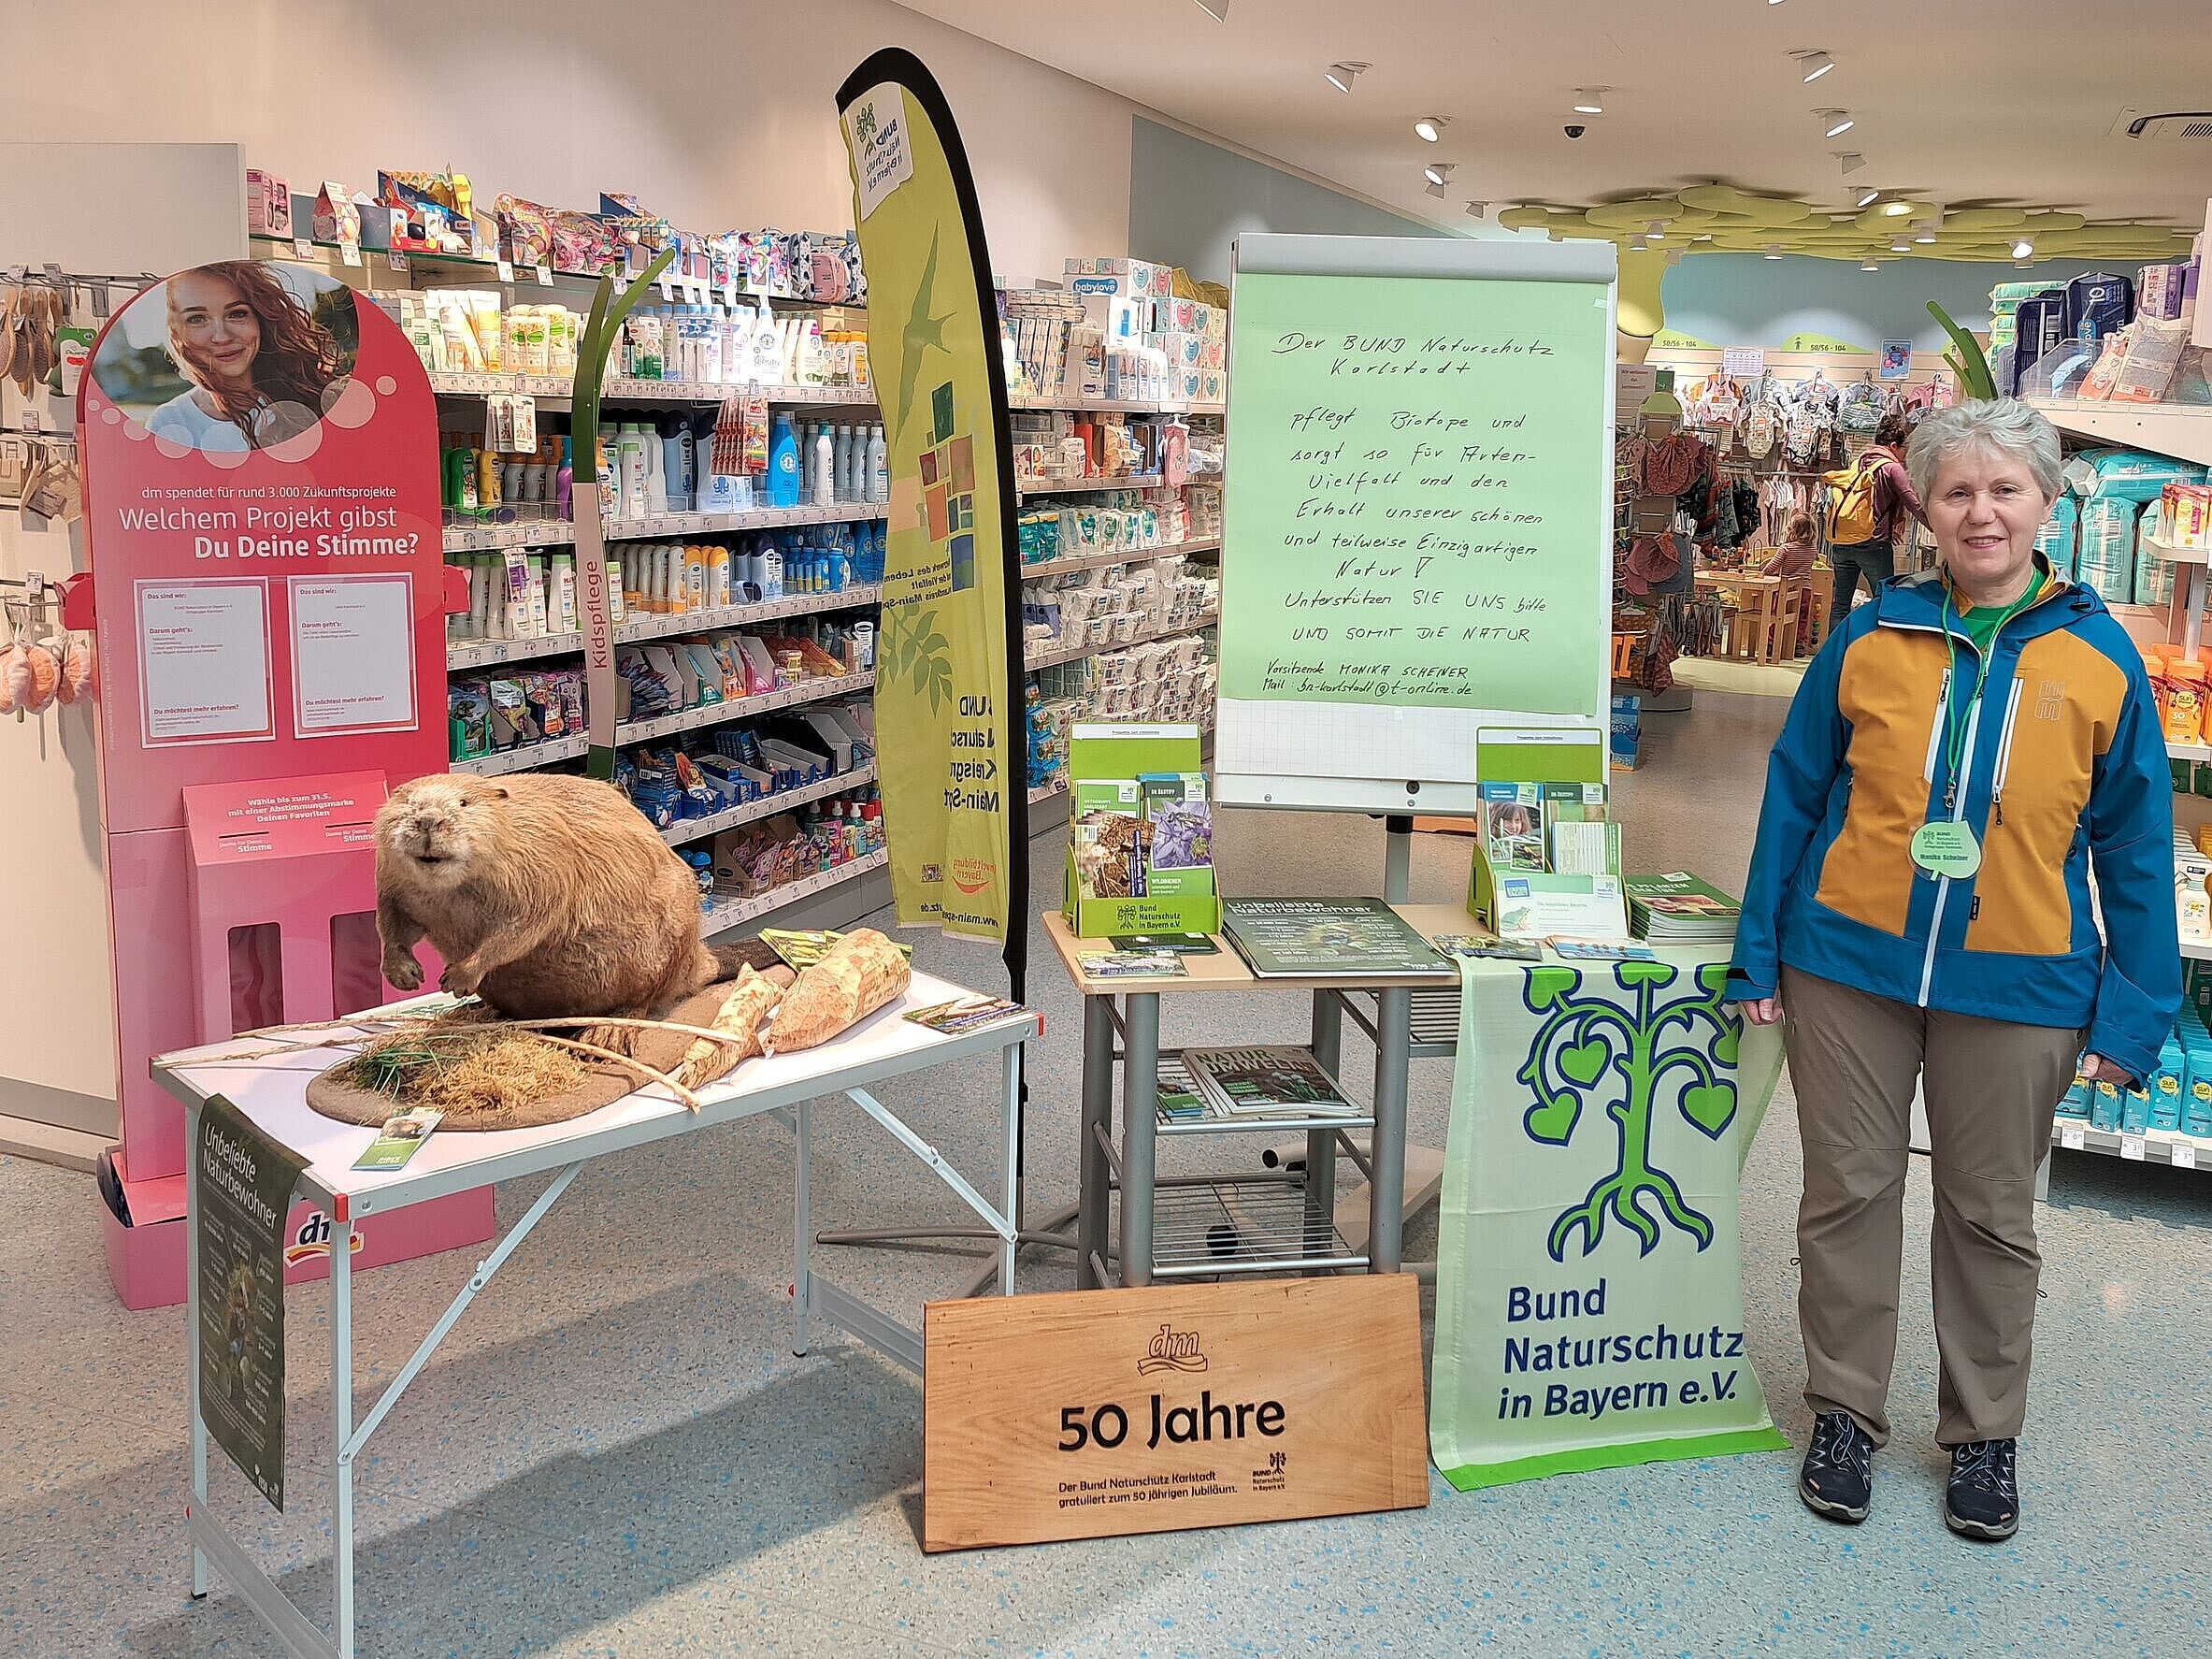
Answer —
461 979
401 971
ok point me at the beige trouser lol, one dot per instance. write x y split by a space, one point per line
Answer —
1991 1088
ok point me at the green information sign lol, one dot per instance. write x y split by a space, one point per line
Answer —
1417 512
242 1193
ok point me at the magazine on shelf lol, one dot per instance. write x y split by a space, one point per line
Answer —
1333 938
1278 1080
1680 909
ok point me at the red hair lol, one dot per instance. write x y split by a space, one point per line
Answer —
296 360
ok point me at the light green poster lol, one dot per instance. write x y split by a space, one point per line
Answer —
1417 511
1589 1292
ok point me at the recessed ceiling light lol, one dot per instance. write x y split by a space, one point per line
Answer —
1849 160
1869 199
1638 245
1927 234
1774 251
1216 9
1341 76
1437 172
1870 265
2023 249
1476 210
1590 100
1813 63
1839 121
1900 246
1431 128
1897 209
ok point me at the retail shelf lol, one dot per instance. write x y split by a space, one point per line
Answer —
2169 430
1121 555
685 830
558 532
474 653
739 708
2188 751
526 758
559 388
2196 951
533 756
1032 661
2153 1146
2173 554
723 914
1111 405
698 291
1230 1226
1045 792
1072 487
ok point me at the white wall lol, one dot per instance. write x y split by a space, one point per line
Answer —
720 114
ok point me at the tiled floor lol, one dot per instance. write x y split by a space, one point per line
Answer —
617 1455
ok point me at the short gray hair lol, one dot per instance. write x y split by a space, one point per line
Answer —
2004 424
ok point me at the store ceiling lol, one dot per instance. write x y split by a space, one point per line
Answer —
1959 102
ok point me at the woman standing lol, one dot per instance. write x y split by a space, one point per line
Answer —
1960 752
260 367
1896 499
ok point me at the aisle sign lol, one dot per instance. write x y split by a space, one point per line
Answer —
1589 1310
1417 536
243 1193
1095 1414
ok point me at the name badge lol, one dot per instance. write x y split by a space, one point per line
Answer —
1946 849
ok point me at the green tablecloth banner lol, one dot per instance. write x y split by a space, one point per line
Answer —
1590 1308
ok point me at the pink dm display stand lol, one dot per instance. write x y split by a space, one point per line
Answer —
270 594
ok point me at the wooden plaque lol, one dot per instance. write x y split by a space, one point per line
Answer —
1096 1413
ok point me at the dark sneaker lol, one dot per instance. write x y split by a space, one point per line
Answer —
1983 1500
1838 1478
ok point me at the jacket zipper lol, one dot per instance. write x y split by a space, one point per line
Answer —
1935 729
2012 719
1943 883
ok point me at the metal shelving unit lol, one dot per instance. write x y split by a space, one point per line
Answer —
659 527
1258 1225
687 831
1032 661
2185 432
474 653
1120 556
1076 487
2153 1146
723 914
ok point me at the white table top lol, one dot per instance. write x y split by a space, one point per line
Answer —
272 1092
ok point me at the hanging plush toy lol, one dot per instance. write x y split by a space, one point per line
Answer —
15 678
44 669
77 669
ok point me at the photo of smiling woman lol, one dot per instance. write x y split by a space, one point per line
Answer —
248 353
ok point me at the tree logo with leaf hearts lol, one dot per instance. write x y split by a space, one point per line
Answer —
1594 1049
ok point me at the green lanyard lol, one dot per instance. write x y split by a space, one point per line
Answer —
1958 715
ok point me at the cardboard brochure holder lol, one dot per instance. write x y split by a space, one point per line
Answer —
1130 770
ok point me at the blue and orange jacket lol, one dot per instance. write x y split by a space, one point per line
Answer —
2063 765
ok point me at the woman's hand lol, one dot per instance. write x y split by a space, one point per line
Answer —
2097 1069
1761 1010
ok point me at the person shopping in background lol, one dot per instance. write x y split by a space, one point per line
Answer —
1894 496
1793 563
1918 910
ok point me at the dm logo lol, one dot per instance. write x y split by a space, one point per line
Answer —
313 1239
1173 1350
1607 1046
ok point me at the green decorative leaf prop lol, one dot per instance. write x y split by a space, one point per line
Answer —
1971 367
607 316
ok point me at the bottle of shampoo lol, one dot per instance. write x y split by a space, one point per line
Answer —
879 468
825 494
783 464
676 463
631 444
656 477
842 465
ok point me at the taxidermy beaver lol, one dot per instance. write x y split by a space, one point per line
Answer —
546 896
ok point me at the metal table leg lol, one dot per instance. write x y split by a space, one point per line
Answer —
1328 1027
1139 1106
1394 1014
341 1412
1093 1195
192 1325
802 1282
1010 1061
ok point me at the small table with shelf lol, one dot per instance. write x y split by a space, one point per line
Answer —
1189 1227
